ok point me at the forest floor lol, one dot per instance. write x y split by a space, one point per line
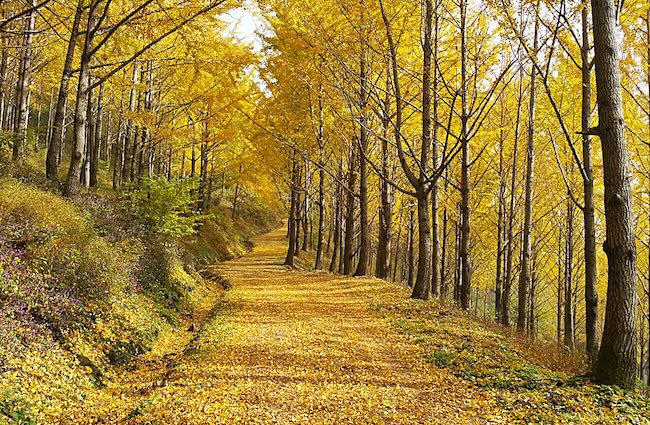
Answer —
289 346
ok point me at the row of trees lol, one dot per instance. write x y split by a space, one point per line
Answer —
132 87
468 128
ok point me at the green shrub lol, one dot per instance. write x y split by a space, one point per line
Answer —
166 206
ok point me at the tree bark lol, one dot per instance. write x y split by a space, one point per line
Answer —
591 292
617 357
80 117
465 209
524 276
349 218
52 159
364 237
288 261
382 267
22 93
569 333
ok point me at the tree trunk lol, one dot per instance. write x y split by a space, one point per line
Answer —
411 250
52 159
80 115
524 276
382 268
500 223
364 237
292 216
617 357
465 210
24 79
435 233
349 218
569 334
129 134
591 292
422 285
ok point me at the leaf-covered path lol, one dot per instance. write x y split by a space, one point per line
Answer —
300 347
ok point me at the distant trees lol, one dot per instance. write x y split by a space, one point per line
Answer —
457 103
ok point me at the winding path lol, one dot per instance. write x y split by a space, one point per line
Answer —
305 348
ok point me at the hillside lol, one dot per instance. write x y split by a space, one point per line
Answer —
92 286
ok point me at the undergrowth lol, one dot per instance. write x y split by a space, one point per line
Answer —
537 384
89 285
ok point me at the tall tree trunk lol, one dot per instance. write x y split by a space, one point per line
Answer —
81 107
435 233
465 209
617 356
500 222
364 237
4 65
52 159
129 133
97 138
524 276
510 239
90 148
591 292
321 188
560 285
422 286
382 268
24 80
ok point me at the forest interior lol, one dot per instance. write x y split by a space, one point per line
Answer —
324 211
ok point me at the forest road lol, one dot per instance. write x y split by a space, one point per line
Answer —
297 347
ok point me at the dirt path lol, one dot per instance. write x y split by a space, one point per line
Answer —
305 348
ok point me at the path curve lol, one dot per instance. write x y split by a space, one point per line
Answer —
304 348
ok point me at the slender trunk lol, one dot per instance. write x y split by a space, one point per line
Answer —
97 138
569 334
24 79
510 240
50 116
118 156
306 207
349 218
90 148
444 281
591 282
524 276
321 211
411 250
129 134
435 233
558 313
52 160
292 216
465 210
4 62
382 268
500 224
364 237
80 115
